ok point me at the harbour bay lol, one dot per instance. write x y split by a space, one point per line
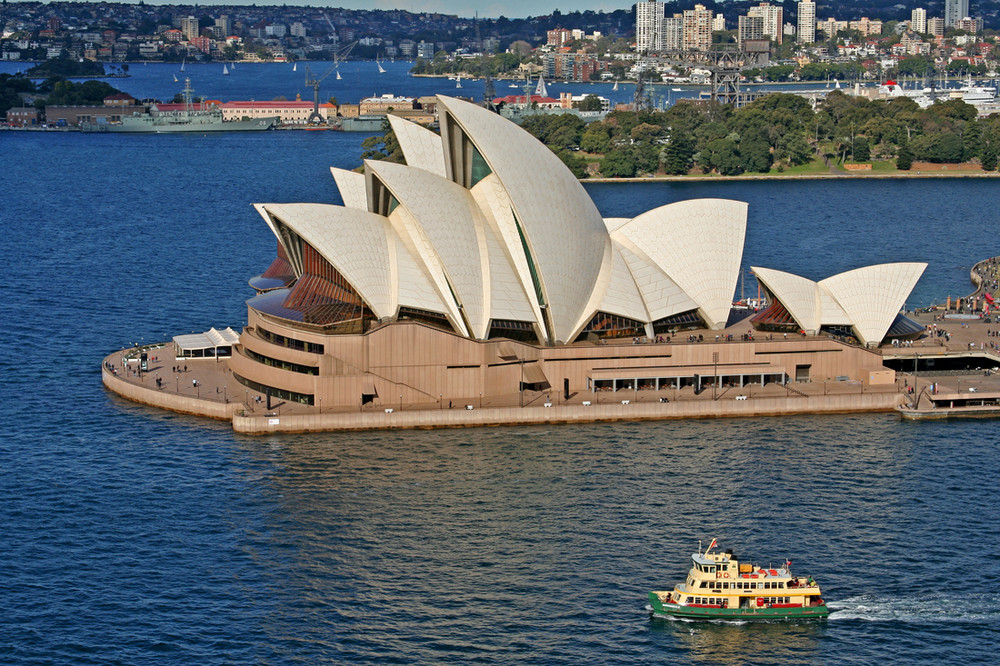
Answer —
133 535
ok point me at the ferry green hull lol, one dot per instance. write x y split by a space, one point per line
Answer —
698 613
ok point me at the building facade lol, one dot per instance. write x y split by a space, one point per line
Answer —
698 28
806 24
918 20
771 17
955 11
648 20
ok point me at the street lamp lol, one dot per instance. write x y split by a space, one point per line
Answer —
400 402
225 395
715 379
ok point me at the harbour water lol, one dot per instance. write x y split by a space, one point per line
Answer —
135 536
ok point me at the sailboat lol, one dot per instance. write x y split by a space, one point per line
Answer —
225 72
540 89
295 66
339 77
183 60
379 65
175 79
615 88
458 81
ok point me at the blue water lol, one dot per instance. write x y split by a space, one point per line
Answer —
133 536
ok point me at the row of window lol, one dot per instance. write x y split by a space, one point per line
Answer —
278 363
290 343
281 394
716 601
741 585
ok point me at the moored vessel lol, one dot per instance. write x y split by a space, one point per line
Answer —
720 587
191 118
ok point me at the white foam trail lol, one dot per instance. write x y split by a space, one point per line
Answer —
931 608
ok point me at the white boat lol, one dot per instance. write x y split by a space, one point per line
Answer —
225 72
540 89
338 75
183 60
379 65
458 81
175 79
615 87
295 66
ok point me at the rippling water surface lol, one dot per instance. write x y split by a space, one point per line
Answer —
133 536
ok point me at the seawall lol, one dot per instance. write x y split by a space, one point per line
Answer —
504 416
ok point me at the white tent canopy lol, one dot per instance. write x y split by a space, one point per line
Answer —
212 342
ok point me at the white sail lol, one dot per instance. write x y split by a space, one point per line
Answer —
183 60
225 71
295 66
616 86
458 81
540 88
338 75
379 65
175 78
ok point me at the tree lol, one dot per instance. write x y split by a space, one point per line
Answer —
618 163
385 147
595 139
904 158
678 155
862 153
755 154
722 156
588 103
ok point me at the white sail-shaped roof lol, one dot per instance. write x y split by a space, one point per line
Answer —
421 147
867 299
872 296
352 187
699 245
364 262
435 203
561 227
799 295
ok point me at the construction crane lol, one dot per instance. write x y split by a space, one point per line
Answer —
314 81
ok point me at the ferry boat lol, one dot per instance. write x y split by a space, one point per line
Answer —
720 587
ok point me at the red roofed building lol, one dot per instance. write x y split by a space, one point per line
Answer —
119 99
527 100
295 112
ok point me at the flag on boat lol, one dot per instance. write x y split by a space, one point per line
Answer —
711 545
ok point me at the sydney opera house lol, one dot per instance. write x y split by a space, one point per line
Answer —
481 267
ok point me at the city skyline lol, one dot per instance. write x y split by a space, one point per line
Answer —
462 8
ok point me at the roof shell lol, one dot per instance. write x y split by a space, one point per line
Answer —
562 227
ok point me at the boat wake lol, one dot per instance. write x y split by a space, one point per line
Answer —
932 608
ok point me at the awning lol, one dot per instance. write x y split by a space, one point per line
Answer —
210 339
506 351
368 388
534 378
687 371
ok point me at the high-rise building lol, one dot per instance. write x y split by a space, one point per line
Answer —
648 19
698 28
718 23
672 33
224 25
918 20
189 26
807 22
749 28
935 26
772 19
955 11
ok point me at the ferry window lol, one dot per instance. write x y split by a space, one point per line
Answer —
781 584
767 586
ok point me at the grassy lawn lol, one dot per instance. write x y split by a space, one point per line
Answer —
814 167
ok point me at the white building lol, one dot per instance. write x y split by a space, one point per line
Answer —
648 18
918 20
955 11
807 22
771 14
